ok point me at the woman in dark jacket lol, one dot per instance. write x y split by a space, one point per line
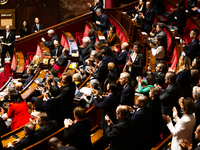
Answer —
24 30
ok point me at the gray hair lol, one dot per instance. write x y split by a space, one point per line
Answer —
99 10
51 31
86 40
125 75
196 92
77 77
93 52
94 83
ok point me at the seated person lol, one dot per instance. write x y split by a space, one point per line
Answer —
4 114
29 138
149 82
153 31
18 86
57 51
47 127
112 37
91 35
77 78
35 63
78 133
63 58
53 72
112 76
30 72
3 126
52 64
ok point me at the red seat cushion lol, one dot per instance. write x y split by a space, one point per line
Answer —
169 42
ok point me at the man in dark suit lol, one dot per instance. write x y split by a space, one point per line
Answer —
63 58
8 42
53 36
141 118
30 72
29 138
192 50
57 51
104 24
148 17
55 144
121 57
3 127
122 134
101 71
67 94
108 104
85 52
128 92
37 26
78 133
46 127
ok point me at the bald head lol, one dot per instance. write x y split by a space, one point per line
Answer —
54 143
125 46
142 101
18 86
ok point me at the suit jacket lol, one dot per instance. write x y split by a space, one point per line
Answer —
9 39
122 135
46 129
27 80
113 76
93 9
127 95
160 78
169 98
53 107
78 135
85 54
148 20
25 142
23 32
186 90
197 113
101 73
53 51
192 50
121 58
108 106
161 33
67 95
34 28
104 23
137 67
141 119
108 58
62 60
50 44
197 148
62 147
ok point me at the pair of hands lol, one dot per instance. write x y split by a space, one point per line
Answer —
68 122
185 145
7 44
43 39
109 121
168 118
182 42
14 142
139 79
129 63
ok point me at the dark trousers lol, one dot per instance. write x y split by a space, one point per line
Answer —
6 49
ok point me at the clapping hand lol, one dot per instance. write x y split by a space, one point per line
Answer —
167 118
68 122
109 121
185 145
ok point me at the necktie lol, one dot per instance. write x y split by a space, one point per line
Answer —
146 12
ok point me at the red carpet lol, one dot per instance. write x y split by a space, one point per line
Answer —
1 78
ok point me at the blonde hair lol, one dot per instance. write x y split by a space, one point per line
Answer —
37 59
184 63
111 66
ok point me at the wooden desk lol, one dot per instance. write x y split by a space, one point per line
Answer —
8 138
18 64
72 46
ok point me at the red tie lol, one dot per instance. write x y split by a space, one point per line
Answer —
146 12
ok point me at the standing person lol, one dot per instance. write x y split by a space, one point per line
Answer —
185 125
8 42
37 26
99 4
121 134
53 36
78 132
24 30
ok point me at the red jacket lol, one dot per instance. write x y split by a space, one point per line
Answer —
19 113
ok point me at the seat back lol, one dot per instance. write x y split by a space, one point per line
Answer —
169 42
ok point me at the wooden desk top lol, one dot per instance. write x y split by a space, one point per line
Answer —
19 62
45 50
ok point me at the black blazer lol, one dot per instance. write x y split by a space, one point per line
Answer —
53 51
137 66
25 142
160 78
50 44
9 39
3 127
67 95
78 135
62 147
169 98
23 32
121 58
93 9
62 60
27 80
85 54
34 28
197 113
127 95
192 50
109 105
104 23
148 20
122 135
141 119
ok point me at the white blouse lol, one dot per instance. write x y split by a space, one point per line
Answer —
159 52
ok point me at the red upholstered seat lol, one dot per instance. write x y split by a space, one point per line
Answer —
64 41
7 71
174 59
119 31
169 43
167 6
80 36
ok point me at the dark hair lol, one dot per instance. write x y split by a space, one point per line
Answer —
172 76
53 142
16 97
97 43
79 112
91 32
98 56
30 130
49 66
68 77
161 40
181 4
26 25
55 90
162 66
154 25
54 72
44 117
189 105
102 51
113 86
197 64
160 25
156 91
151 80
114 28
139 44
196 32
123 111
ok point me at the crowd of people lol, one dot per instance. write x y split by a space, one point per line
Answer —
116 74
